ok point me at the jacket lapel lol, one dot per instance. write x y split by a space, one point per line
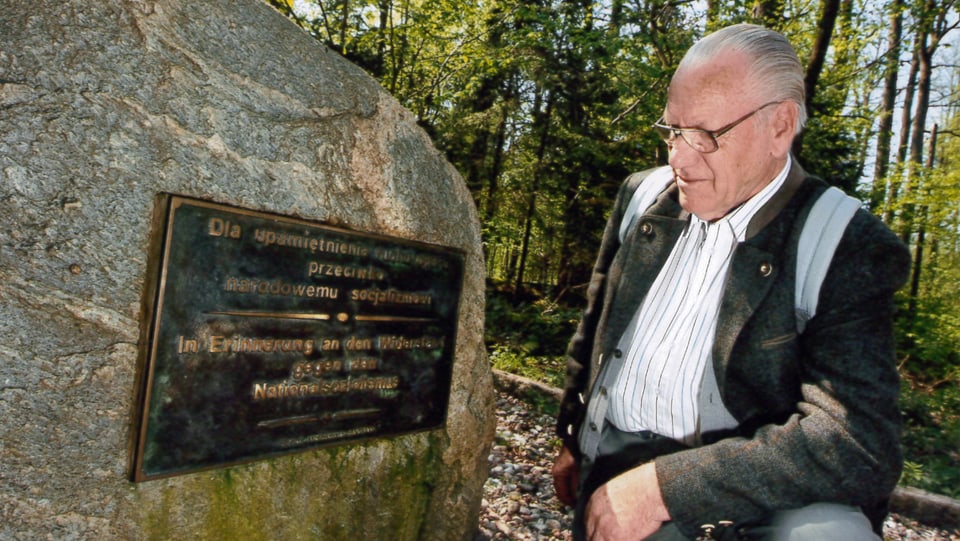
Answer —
753 271
645 250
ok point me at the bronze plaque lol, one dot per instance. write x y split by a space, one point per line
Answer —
271 335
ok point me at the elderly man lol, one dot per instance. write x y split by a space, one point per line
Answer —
695 406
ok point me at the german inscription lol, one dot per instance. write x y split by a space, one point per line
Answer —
272 335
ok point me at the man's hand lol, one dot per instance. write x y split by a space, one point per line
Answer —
566 477
629 506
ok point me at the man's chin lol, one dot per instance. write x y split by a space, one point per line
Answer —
698 207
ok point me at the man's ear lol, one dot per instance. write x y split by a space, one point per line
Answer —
784 124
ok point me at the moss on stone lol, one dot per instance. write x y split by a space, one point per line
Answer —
377 490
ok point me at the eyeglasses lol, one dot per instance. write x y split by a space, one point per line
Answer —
703 141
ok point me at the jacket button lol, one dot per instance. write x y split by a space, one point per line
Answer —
617 353
766 269
593 426
646 228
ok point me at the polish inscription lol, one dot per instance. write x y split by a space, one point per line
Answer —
272 335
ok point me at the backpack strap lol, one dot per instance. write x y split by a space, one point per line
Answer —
819 238
644 196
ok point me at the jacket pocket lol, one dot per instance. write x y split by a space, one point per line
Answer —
778 341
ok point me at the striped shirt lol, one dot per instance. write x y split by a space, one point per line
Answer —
658 388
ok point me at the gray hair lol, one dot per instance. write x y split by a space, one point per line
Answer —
775 69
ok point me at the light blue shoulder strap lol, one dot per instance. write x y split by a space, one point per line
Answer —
821 234
818 241
644 196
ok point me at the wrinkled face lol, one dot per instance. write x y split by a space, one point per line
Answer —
749 156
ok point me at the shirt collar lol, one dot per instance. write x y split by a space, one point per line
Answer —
739 218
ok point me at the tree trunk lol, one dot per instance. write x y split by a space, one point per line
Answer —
917 266
885 126
344 25
713 15
818 55
532 196
496 167
768 13
926 45
894 182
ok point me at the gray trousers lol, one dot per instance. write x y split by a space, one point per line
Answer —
620 451
815 522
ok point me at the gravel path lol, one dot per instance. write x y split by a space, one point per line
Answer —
519 503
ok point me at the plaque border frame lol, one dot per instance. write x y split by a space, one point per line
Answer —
152 305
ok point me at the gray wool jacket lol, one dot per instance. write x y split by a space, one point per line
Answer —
818 413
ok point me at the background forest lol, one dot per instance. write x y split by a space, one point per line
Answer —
545 106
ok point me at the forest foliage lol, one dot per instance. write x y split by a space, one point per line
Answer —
544 106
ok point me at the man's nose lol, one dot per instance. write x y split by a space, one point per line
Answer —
682 154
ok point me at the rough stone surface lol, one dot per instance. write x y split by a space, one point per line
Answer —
103 105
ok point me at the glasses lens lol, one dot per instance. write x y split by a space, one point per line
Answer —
699 140
665 133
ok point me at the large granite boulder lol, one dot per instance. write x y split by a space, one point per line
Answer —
103 106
